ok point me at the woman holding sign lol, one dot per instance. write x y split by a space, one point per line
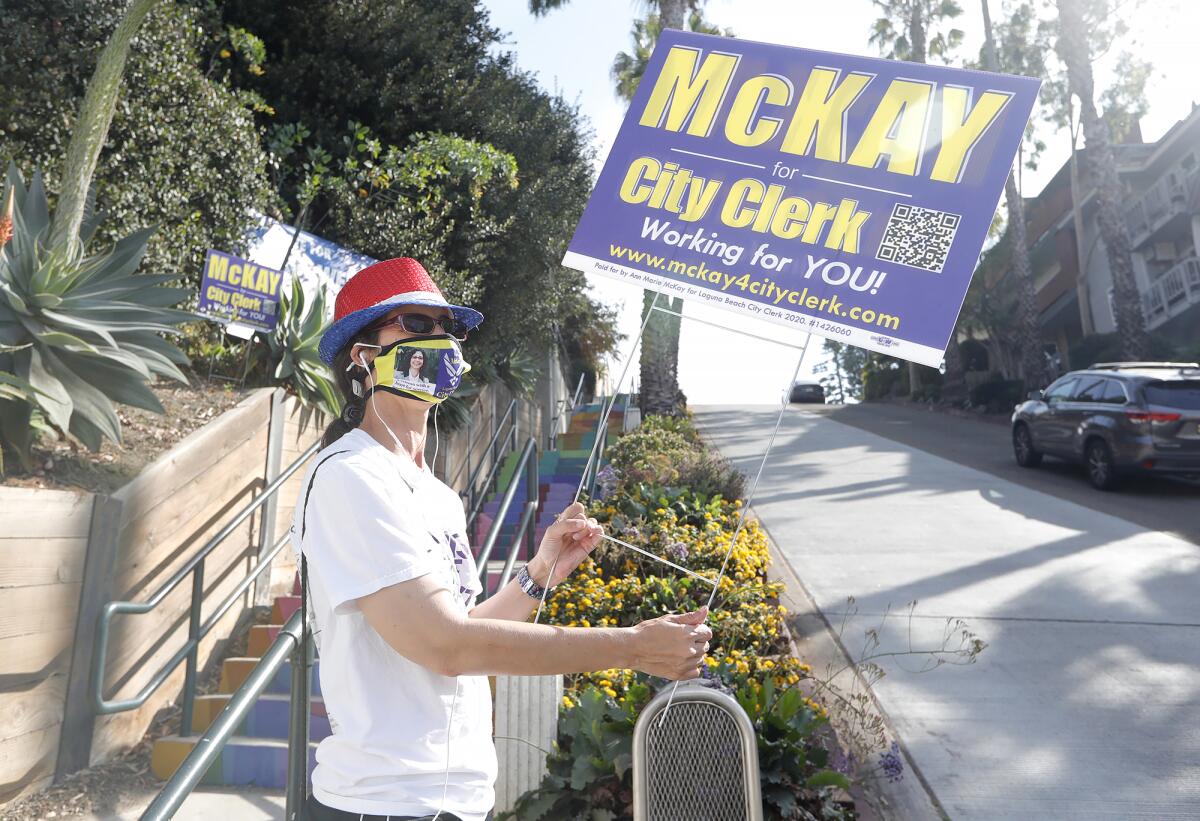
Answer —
392 584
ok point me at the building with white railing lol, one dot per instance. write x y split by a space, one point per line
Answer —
1161 211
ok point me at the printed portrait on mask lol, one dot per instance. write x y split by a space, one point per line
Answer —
416 369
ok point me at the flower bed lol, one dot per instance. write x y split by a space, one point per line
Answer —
668 494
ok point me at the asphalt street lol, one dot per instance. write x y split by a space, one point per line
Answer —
1157 503
1086 702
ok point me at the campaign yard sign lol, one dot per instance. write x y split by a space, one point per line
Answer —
846 196
238 290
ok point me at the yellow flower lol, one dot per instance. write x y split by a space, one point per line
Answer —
566 701
225 54
611 692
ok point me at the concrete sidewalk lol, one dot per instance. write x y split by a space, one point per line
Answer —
1085 705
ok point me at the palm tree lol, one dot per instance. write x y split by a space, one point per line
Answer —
1074 47
659 362
660 348
1033 362
628 68
914 30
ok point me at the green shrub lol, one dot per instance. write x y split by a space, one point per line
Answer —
668 452
885 383
998 395
684 425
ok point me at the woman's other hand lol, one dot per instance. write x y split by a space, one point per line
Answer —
566 544
672 646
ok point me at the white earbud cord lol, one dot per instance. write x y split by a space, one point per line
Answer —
453 701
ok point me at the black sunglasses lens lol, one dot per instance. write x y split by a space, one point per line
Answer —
417 323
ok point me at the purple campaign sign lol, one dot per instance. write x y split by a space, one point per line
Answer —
238 290
841 195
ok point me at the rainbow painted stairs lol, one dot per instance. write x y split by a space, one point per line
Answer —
558 478
257 753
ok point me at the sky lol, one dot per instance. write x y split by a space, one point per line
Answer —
571 51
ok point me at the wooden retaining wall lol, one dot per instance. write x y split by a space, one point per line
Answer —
168 513
43 540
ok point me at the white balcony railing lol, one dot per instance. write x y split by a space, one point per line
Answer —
1160 202
1172 293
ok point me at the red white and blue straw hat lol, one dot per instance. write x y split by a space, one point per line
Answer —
377 290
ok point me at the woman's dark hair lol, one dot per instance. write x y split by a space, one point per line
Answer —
353 407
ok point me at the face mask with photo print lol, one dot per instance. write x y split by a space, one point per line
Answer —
436 374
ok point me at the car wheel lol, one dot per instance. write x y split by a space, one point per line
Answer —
1027 455
1101 469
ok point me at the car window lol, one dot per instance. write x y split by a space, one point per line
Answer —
1090 389
1114 394
1060 391
1184 395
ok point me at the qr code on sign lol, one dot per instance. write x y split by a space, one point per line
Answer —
920 237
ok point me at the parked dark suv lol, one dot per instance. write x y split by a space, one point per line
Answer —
1115 418
808 392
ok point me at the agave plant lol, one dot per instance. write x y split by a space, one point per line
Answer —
83 331
294 351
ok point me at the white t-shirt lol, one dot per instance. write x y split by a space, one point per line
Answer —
375 519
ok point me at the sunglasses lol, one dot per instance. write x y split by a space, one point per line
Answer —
422 325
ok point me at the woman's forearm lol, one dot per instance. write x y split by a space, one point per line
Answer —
419 620
498 647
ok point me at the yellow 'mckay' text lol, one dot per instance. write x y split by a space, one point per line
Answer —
249 276
692 88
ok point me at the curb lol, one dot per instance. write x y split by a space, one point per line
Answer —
911 799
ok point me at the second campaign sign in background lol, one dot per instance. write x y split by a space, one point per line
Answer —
841 195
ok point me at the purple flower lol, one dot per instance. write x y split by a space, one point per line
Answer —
891 764
710 678
606 481
842 762
677 551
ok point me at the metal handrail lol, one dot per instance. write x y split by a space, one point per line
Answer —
568 412
599 445
528 462
196 630
578 392
475 440
523 531
478 498
470 494
597 453
180 785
